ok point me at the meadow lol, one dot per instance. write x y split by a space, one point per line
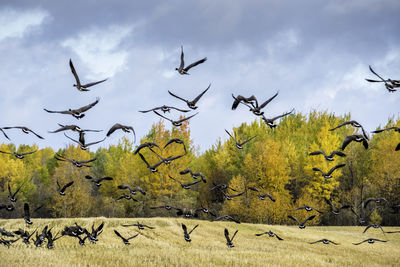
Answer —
165 245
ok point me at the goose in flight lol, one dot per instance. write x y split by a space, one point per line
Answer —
127 197
226 217
152 168
186 234
191 104
250 102
177 141
376 226
270 234
221 187
8 242
125 128
262 196
147 144
356 137
353 123
165 109
370 241
73 128
257 109
328 157
125 240
335 210
139 226
229 197
194 175
184 70
18 155
376 200
396 129
8 207
178 122
24 130
307 208
4 232
167 160
324 241
12 196
78 85
82 143
98 181
76 113
25 235
229 240
76 163
27 215
301 224
187 185
51 239
270 122
239 145
61 190
329 173
132 190
389 83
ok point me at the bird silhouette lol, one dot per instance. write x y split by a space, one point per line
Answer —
270 234
301 224
24 130
229 240
76 113
329 173
239 145
125 240
191 104
328 157
184 70
78 85
186 234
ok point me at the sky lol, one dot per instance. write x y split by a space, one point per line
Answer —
315 53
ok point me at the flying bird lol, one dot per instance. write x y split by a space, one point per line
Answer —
76 113
328 174
358 138
396 129
139 226
194 175
257 109
177 141
61 190
335 210
78 85
301 224
127 197
125 240
307 208
262 196
11 196
73 128
165 109
178 122
98 181
229 240
376 226
82 143
76 163
270 234
389 83
24 130
252 100
125 128
221 187
27 215
25 235
353 123
328 157
186 234
191 104
370 241
18 155
226 217
187 185
152 168
147 144
229 197
376 200
324 241
270 122
184 70
239 145
132 190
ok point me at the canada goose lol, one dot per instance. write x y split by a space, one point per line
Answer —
76 163
229 197
125 240
270 122
335 210
186 234
4 232
76 113
98 181
221 187
78 85
73 128
24 130
328 174
169 159
147 144
178 122
176 140
370 241
139 226
18 155
167 207
270 234
8 242
301 224
165 109
376 200
307 208
61 190
226 217
229 240
187 185
328 157
354 124
134 190
252 100
389 84
396 129
356 137
127 197
27 215
184 70
238 144
257 109
151 168
193 174
125 128
51 239
8 207
82 143
262 196
95 233
376 226
191 104
11 196
25 235
324 241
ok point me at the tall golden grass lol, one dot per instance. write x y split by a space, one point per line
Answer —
165 245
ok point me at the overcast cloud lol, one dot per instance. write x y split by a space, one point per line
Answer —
315 53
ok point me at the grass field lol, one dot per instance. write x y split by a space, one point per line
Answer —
165 245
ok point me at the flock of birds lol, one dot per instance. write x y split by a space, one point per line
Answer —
82 234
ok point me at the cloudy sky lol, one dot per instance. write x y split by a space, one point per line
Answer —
315 53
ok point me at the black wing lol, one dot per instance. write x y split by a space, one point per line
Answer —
87 107
195 64
177 96
269 100
335 167
200 95
78 82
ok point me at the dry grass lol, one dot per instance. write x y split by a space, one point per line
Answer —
165 246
